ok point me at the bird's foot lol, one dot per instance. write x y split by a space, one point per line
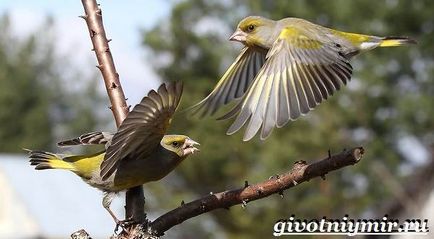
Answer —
125 225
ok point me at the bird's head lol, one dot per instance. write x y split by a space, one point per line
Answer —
180 144
255 31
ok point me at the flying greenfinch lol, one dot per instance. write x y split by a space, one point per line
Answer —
286 69
139 152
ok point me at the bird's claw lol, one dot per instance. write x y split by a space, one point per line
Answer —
125 224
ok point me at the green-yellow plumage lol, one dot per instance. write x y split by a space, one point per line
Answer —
129 174
286 69
139 152
82 165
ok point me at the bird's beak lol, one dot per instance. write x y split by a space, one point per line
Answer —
188 146
239 36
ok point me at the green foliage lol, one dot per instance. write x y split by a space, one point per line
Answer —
390 97
37 106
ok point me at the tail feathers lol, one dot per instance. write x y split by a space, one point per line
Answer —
46 160
396 41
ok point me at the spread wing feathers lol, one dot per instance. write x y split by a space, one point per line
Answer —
88 139
143 128
300 72
234 82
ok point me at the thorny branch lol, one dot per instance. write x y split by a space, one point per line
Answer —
134 206
301 172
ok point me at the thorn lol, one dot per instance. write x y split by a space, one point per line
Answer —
202 206
281 194
109 40
323 177
182 203
126 99
330 154
83 16
113 86
129 107
92 33
302 162
99 67
246 184
93 49
259 191
107 49
294 182
98 12
276 176
110 107
243 204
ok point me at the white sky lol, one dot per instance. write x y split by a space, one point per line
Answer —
122 21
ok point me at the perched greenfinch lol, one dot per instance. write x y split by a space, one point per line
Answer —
139 152
286 69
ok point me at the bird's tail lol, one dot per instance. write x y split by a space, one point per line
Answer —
396 41
367 42
46 160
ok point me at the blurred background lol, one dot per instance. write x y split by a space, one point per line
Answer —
50 89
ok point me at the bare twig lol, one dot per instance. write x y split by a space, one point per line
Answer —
301 172
106 64
93 15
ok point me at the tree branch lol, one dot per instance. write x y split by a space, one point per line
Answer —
301 172
134 206
106 64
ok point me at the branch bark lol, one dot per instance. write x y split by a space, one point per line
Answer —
301 172
134 205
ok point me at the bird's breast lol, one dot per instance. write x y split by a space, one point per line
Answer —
135 171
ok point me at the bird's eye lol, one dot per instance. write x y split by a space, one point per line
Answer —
251 28
175 144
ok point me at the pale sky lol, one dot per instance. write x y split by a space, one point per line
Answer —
122 21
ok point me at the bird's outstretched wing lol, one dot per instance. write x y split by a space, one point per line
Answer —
143 128
300 72
92 138
234 82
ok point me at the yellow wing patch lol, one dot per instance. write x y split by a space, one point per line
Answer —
354 38
299 39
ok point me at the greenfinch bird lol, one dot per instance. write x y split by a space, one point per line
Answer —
139 152
286 69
